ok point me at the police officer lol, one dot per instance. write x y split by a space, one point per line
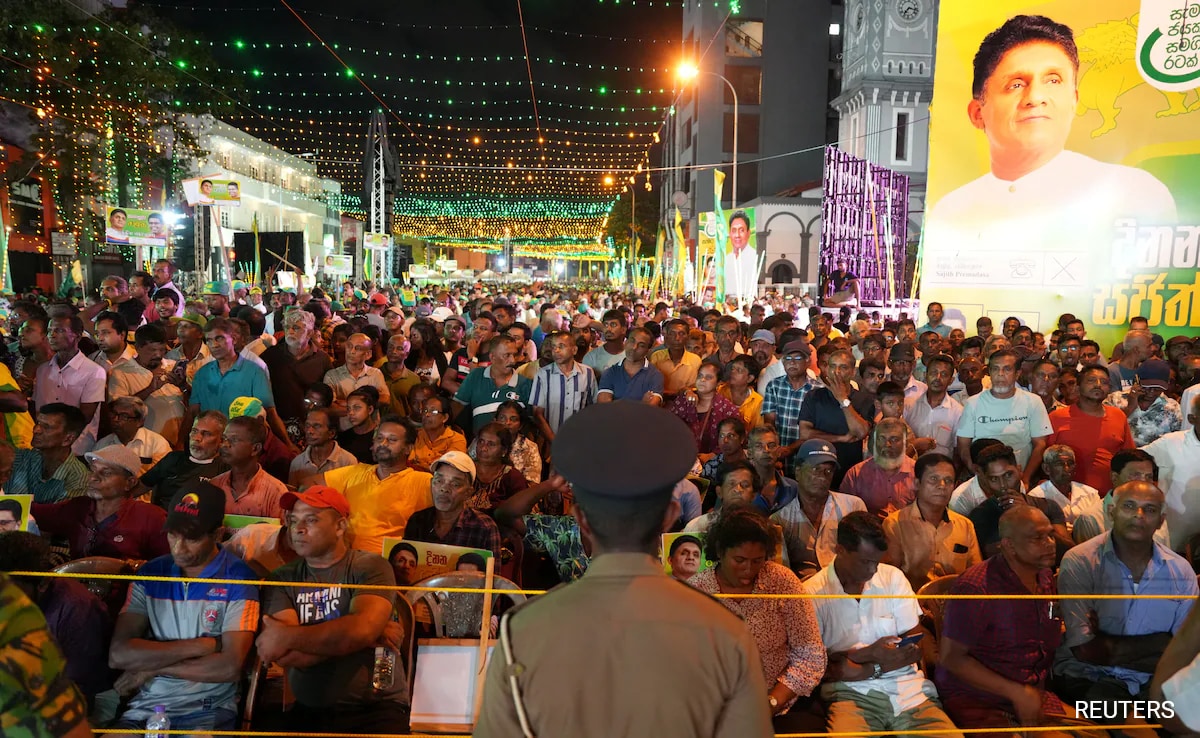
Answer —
626 650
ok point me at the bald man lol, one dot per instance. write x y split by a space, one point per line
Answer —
996 653
355 373
1113 646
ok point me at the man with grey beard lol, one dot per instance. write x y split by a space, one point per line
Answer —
294 365
887 481
198 462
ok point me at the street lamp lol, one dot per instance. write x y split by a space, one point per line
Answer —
689 71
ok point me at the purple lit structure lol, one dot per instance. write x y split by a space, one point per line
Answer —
864 214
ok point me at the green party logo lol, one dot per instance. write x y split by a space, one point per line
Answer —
1169 44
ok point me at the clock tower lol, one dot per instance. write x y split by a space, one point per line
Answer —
887 81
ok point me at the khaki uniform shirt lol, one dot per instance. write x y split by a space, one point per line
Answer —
627 651
923 550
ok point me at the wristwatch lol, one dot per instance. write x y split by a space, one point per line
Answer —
846 402
877 670
774 702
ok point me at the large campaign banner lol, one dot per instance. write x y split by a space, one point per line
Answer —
1064 169
741 262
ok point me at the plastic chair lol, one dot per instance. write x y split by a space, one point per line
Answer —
459 607
101 565
936 608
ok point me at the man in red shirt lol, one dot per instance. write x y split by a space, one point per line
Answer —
105 521
1095 431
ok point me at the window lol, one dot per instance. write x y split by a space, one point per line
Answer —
747 80
747 133
687 131
900 153
744 38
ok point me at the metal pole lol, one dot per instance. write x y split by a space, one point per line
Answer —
733 195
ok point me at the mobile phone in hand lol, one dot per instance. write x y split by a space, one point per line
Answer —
910 640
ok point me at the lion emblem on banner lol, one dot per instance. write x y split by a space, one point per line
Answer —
1110 50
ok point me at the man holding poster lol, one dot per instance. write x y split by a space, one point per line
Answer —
1040 214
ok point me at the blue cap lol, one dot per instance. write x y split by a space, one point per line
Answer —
814 452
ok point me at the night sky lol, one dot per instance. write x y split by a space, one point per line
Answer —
449 88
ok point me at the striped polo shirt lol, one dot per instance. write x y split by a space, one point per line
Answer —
562 395
178 611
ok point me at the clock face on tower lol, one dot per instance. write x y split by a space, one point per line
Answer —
860 17
908 10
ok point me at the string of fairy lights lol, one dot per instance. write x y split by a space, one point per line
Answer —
547 189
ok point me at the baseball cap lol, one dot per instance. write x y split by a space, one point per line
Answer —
903 352
398 310
196 509
763 335
379 299
119 456
424 311
1154 373
815 451
319 496
239 284
360 295
336 306
215 288
198 320
797 347
256 290
249 407
441 314
458 460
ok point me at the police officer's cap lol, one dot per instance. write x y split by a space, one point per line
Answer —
623 451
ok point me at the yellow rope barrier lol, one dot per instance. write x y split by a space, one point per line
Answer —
847 734
493 590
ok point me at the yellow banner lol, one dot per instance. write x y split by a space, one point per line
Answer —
1064 169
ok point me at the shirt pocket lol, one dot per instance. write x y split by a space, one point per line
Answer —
882 624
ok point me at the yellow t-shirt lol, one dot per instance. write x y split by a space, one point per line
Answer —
380 508
18 427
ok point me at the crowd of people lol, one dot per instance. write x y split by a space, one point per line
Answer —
836 453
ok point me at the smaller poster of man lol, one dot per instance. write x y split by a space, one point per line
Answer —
741 257
341 265
213 190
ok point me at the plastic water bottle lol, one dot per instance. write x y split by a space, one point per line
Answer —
158 723
384 673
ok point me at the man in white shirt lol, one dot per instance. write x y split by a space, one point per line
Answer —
128 415
934 415
72 378
1063 203
112 347
873 681
1007 413
1076 499
1178 458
